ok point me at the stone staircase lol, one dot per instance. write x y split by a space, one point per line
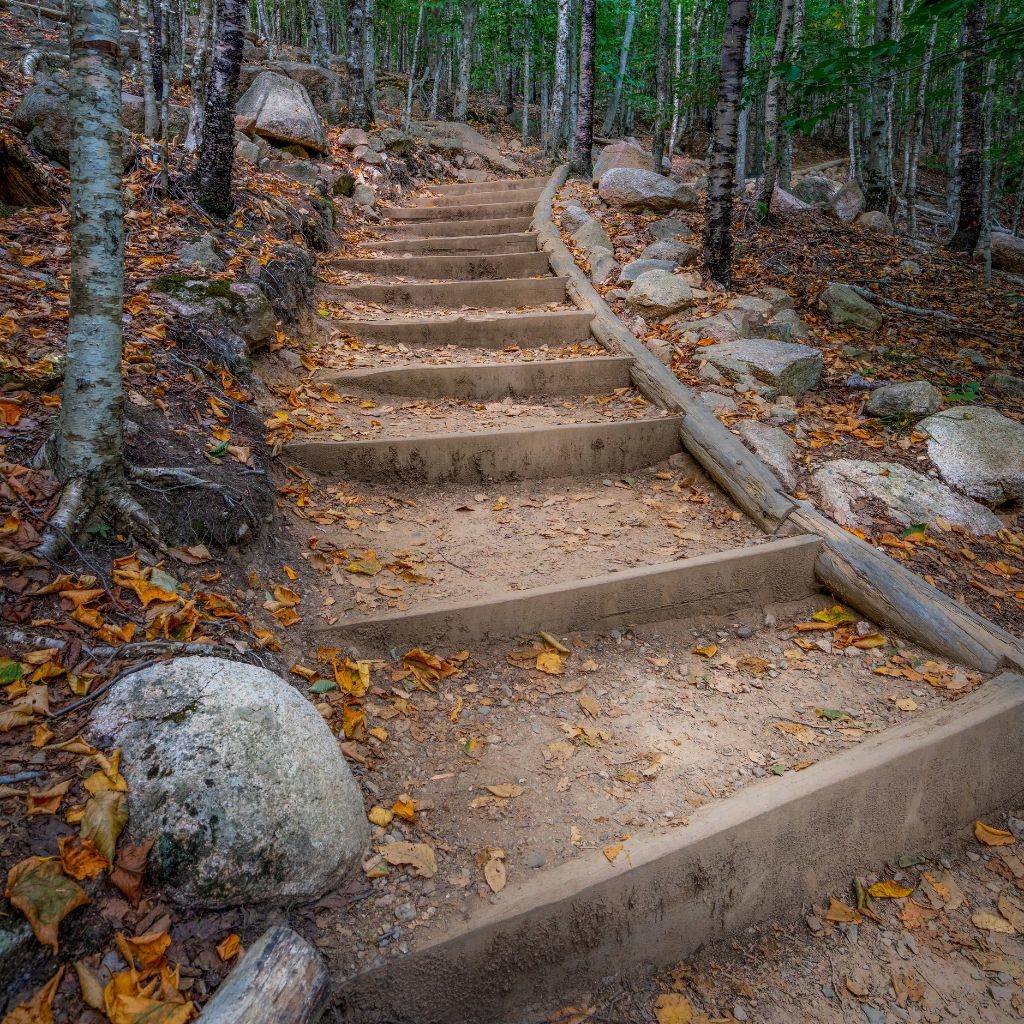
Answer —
458 273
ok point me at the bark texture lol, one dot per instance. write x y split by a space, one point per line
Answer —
773 112
877 180
465 59
584 142
968 225
612 113
561 75
213 170
90 437
358 107
722 163
662 76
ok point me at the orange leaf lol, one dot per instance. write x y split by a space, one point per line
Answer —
80 857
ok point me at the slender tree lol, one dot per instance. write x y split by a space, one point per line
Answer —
722 163
968 225
527 84
358 105
198 74
461 108
149 100
877 179
213 168
319 45
662 75
773 111
584 141
555 124
616 100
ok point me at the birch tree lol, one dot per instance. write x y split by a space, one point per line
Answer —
877 180
772 113
722 161
150 115
461 108
584 141
319 47
198 76
612 113
527 47
662 74
555 122
968 224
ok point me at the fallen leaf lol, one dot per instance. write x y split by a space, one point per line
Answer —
508 790
992 836
38 1009
44 894
673 1008
417 856
992 923
130 870
612 851
47 801
495 874
380 816
145 952
550 662
708 651
1012 911
404 808
80 858
839 913
92 988
889 891
800 732
104 819
230 947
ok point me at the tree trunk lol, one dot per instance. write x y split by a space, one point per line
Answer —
773 113
786 158
662 80
319 47
914 136
744 127
465 60
150 116
90 439
200 67
407 113
877 182
213 169
584 143
561 75
358 107
722 163
527 48
627 36
677 71
968 226
369 61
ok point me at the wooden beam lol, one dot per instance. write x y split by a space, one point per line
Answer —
281 979
856 572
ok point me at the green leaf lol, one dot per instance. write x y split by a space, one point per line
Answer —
921 528
164 581
10 671
778 769
218 451
968 393
832 714
323 686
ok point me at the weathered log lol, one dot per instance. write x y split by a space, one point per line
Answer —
736 469
281 979
22 183
46 12
856 572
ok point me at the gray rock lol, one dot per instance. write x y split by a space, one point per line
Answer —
657 294
845 306
816 190
973 356
786 325
283 112
910 401
1007 252
979 452
718 403
535 860
456 138
726 325
848 203
780 415
635 189
248 151
778 298
681 253
326 88
590 236
237 778
859 382
847 486
771 367
662 349
574 216
775 448
364 195
368 156
133 116
621 154
43 115
632 271
395 141
602 265
910 267
875 220
1004 384
201 251
669 227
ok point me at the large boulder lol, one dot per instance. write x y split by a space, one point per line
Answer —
680 253
978 451
726 325
456 138
670 227
325 88
632 271
875 220
622 154
657 294
775 448
845 306
43 115
573 216
782 201
771 367
133 116
848 488
590 236
1006 385
635 189
908 401
283 111
815 190
237 779
848 203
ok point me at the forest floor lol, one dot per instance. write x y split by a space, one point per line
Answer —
513 753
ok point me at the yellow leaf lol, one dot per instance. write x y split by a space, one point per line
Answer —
706 652
992 923
839 913
417 856
380 816
992 836
589 705
38 1009
404 808
495 874
612 851
508 790
906 704
92 990
80 857
103 820
144 951
834 616
673 1008
889 891
551 663
44 894
230 947
800 732
292 575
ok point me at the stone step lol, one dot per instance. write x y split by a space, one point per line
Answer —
530 453
495 185
446 228
487 382
718 584
503 294
487 211
478 198
490 266
560 327
522 241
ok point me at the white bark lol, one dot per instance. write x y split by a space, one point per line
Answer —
677 69
150 114
200 67
627 38
557 120
527 45
407 113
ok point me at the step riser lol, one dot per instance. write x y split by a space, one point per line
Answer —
499 185
591 449
486 382
443 228
710 586
479 198
763 855
490 267
521 242
524 329
492 211
455 294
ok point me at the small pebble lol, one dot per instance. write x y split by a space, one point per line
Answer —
535 860
744 632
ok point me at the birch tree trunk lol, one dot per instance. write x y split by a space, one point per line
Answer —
744 127
319 47
527 46
213 168
968 225
465 60
200 67
354 39
722 160
916 132
407 112
772 113
369 52
796 39
877 181
612 113
561 76
677 70
90 439
661 84
584 141
150 122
